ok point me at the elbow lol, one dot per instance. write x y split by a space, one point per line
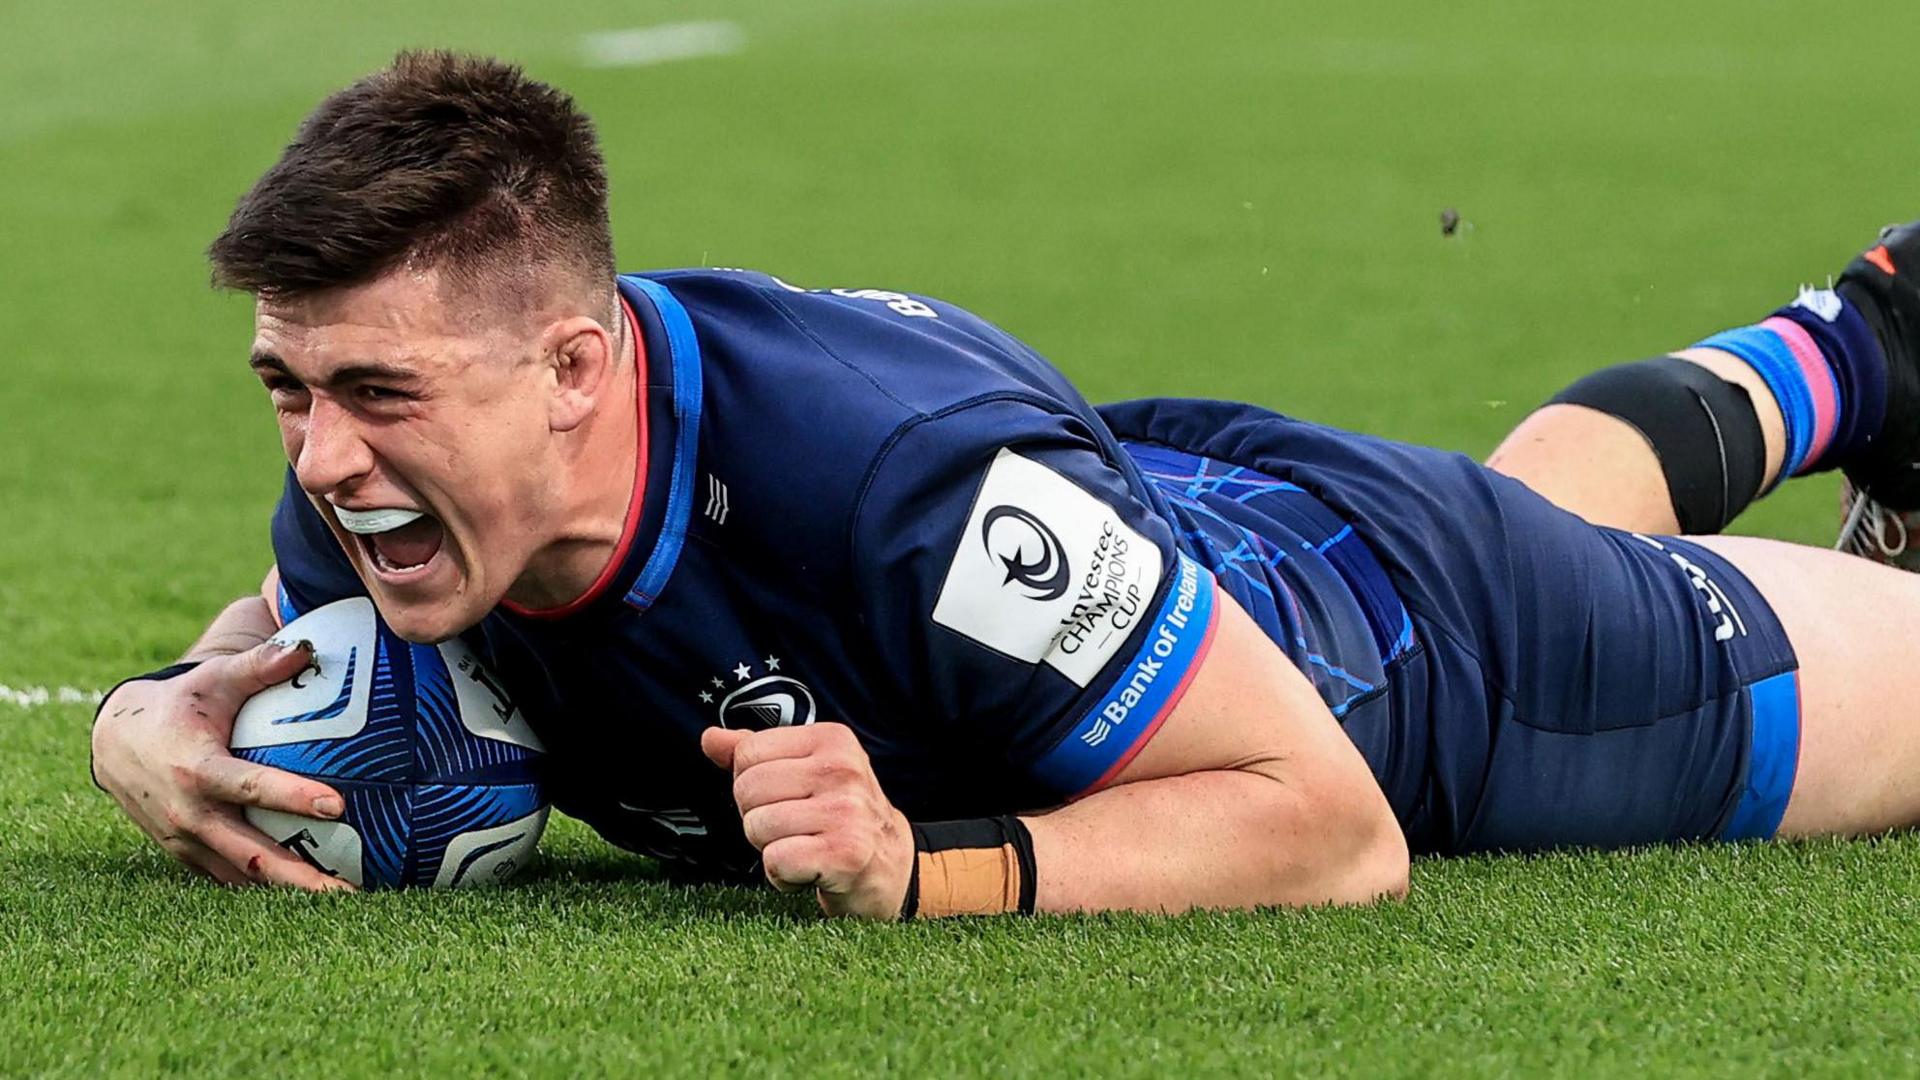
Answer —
1371 862
1386 869
1352 852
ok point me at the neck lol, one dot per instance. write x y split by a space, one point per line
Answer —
601 503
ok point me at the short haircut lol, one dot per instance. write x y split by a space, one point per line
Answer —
455 162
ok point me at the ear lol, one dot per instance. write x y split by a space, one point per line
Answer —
585 366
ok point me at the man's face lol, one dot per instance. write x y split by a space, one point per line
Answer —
421 431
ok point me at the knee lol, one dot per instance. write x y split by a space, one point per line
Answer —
1703 429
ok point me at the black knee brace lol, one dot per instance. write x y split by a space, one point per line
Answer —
1702 428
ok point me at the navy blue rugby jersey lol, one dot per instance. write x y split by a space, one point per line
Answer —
876 508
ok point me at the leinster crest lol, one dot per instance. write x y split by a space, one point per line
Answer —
752 703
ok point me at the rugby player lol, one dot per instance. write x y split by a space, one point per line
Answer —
850 589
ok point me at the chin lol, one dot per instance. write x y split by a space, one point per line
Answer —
422 635
423 624
419 631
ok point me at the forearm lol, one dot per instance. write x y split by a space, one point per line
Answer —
1229 838
242 625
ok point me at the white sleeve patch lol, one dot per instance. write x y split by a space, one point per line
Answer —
1045 572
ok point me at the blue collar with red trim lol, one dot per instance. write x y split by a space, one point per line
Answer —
683 348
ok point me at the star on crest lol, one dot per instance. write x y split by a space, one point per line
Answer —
706 698
743 672
718 682
773 663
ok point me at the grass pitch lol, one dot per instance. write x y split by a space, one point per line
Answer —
1229 199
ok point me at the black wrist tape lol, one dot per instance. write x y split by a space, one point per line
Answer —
980 866
1702 428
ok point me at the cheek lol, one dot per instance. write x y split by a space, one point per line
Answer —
512 443
293 434
495 473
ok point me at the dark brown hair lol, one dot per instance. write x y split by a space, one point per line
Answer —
457 162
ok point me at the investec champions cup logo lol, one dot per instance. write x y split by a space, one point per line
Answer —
1009 532
1046 572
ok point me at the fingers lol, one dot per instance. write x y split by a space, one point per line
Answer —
199 858
204 861
784 765
264 861
244 851
796 862
219 843
719 743
227 779
810 802
795 817
775 744
839 869
242 675
843 781
742 750
787 778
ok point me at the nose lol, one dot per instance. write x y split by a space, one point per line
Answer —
332 453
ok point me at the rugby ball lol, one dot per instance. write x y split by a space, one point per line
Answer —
437 766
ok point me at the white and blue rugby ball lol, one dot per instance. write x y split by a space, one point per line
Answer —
435 763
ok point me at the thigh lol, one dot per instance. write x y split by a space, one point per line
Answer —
1646 694
1855 626
1574 685
1590 464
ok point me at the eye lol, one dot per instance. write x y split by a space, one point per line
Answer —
284 391
378 394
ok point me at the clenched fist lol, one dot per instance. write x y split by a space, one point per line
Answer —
809 801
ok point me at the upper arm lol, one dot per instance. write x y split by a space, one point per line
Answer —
1102 654
1249 708
1025 596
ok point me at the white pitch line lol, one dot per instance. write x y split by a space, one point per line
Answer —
646 45
38 697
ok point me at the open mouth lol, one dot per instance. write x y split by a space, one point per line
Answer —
397 542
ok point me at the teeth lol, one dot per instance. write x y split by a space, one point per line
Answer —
370 522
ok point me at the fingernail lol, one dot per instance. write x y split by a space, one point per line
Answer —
285 648
327 806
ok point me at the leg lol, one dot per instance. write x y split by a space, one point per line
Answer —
1603 469
1854 626
1832 380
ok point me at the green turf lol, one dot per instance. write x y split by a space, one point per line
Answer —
1224 198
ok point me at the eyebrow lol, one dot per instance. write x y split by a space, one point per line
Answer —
370 369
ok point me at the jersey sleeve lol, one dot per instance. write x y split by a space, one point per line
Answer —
314 572
1020 586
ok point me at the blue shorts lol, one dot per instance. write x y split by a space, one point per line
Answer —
1569 685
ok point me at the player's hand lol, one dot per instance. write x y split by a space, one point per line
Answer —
809 801
160 749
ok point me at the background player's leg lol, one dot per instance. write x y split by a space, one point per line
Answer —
1602 468
1683 445
1853 625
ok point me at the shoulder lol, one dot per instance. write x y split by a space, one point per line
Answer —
809 392
876 346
